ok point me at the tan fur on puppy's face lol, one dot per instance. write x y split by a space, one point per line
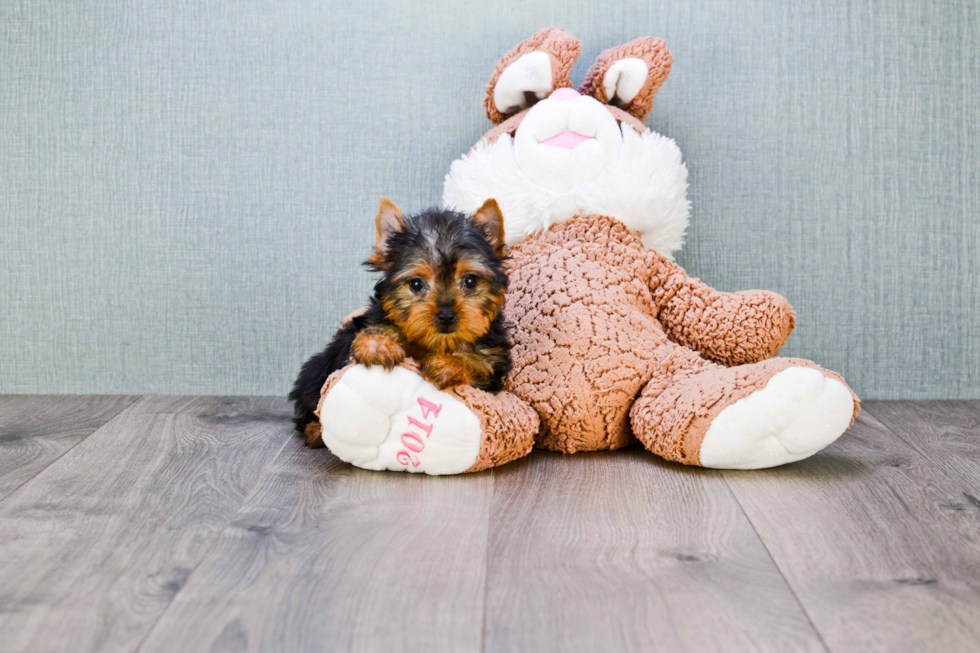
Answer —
414 313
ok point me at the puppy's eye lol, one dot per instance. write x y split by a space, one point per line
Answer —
470 281
416 285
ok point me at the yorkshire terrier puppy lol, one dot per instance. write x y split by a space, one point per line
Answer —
439 301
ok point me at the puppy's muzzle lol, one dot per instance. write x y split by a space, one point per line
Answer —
446 320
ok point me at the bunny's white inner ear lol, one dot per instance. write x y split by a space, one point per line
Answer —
526 81
623 80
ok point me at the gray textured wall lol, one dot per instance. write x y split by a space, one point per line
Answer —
187 188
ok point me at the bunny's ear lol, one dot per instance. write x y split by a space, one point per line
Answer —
628 76
530 72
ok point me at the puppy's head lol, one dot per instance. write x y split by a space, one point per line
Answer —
443 280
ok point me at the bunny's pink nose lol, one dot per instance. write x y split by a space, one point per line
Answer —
564 94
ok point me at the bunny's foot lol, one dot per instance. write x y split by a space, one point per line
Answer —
396 420
746 417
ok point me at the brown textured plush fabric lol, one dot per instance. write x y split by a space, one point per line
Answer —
585 333
728 328
508 424
675 409
654 54
594 313
562 47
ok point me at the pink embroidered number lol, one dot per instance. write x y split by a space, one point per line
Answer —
412 441
425 427
429 407
405 458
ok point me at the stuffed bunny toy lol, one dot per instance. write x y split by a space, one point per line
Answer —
612 341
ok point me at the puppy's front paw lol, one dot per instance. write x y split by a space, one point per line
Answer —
445 372
376 349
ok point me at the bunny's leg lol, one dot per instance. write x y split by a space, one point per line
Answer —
728 328
398 421
746 417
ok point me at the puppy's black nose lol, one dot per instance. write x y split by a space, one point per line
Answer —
446 318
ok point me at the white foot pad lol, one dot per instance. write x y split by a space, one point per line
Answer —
398 421
798 413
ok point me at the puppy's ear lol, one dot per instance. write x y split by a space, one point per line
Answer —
530 72
489 218
389 221
628 76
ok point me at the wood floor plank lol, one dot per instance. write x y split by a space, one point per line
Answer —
95 546
35 430
324 556
877 543
972 404
626 552
945 432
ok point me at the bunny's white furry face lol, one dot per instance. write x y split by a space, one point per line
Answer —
558 152
569 157
566 140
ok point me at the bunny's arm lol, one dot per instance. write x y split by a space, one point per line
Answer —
728 328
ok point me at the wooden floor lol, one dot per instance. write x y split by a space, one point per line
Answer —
200 524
